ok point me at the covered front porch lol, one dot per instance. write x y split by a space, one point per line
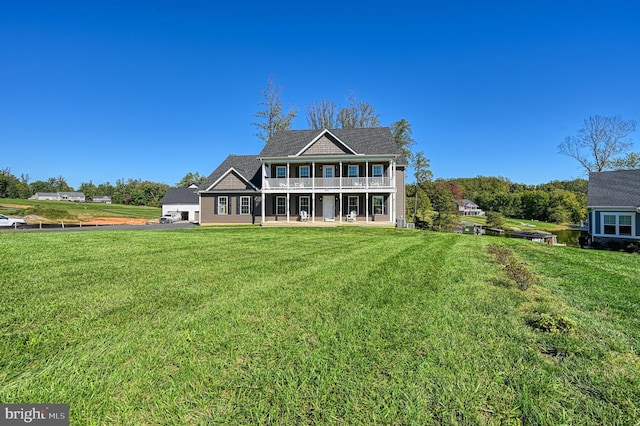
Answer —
352 207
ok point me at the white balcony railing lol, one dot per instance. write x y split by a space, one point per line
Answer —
326 183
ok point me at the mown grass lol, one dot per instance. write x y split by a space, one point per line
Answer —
74 212
301 325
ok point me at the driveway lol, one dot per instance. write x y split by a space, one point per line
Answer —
76 228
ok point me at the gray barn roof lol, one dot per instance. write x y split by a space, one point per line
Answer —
180 196
367 141
247 165
614 189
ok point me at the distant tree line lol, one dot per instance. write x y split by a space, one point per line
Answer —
133 192
556 201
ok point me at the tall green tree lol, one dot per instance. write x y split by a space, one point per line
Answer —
534 204
88 189
8 184
402 134
191 178
442 195
600 142
423 175
272 118
59 184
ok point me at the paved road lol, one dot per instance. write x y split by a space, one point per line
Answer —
152 227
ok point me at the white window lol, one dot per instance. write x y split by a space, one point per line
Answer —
304 204
378 204
304 171
281 172
245 205
378 170
617 224
327 171
353 170
223 205
281 206
353 204
624 224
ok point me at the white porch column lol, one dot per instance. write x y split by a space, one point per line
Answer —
366 173
392 180
288 204
392 212
340 211
340 176
262 194
366 204
313 207
394 195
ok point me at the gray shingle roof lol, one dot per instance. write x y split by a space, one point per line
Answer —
615 189
180 196
247 165
367 141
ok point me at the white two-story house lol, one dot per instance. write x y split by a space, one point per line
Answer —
341 175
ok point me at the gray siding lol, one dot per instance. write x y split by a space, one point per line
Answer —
325 146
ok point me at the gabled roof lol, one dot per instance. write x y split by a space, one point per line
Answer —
246 166
180 196
465 202
614 189
364 141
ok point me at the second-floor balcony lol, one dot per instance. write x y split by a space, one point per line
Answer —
307 184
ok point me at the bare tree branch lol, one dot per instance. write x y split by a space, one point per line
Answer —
322 115
272 118
599 142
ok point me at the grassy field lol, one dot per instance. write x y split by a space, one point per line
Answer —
53 211
523 224
304 325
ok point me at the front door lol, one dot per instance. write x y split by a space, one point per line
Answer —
328 207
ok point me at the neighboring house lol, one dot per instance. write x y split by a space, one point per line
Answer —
613 203
59 196
102 199
327 174
77 197
45 196
182 200
468 208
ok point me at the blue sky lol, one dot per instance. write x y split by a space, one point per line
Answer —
106 90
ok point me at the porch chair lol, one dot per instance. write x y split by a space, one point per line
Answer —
303 216
351 217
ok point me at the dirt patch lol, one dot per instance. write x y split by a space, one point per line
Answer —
14 206
117 221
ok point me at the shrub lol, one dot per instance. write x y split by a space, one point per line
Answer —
633 248
551 322
48 212
518 272
495 219
499 252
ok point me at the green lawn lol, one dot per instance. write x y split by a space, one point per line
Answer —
314 325
74 212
